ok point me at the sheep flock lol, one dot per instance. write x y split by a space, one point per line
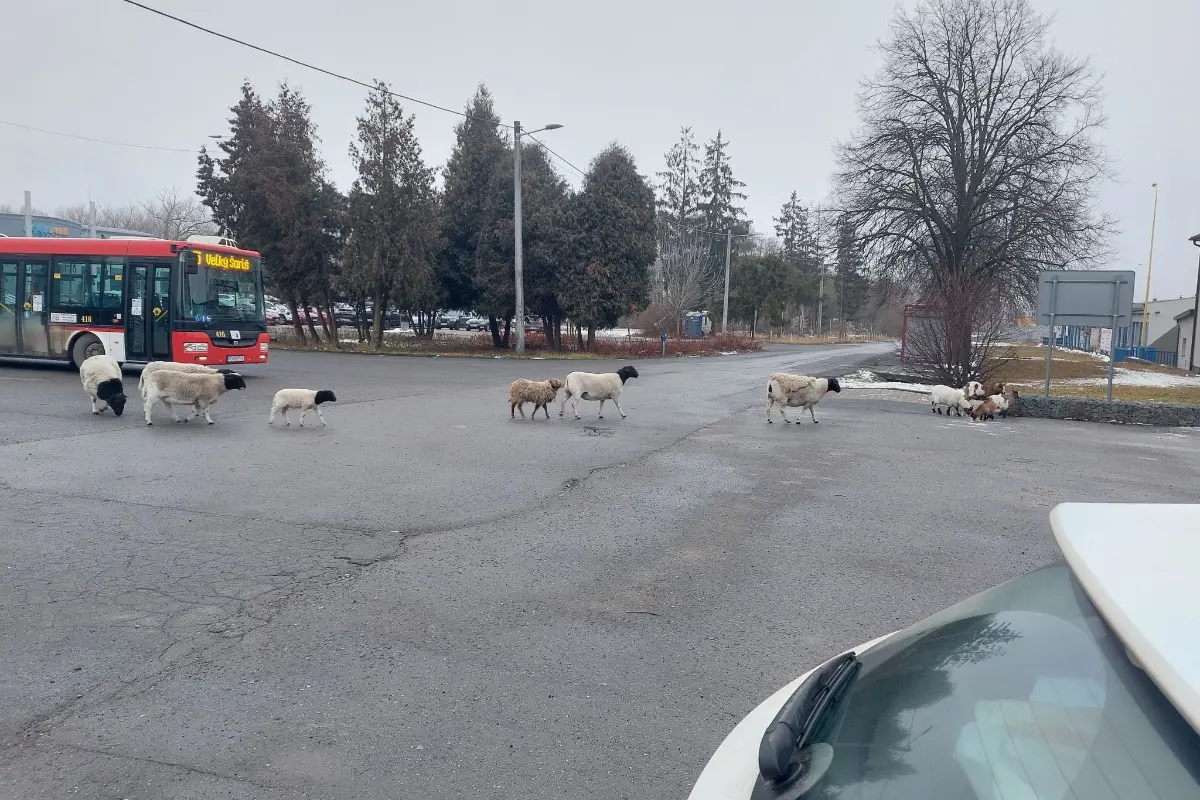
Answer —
195 388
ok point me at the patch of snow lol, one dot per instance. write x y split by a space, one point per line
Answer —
1131 377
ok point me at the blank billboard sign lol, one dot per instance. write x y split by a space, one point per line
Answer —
1090 298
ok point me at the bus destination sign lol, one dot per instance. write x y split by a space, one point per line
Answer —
221 261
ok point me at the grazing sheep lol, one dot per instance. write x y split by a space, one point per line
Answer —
175 366
596 386
974 391
303 399
188 389
985 410
797 391
101 378
1005 401
955 400
540 393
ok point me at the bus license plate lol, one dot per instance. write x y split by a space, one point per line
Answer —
236 359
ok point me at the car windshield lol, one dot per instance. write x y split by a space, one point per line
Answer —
1021 692
214 295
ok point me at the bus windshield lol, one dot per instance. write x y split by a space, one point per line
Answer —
214 292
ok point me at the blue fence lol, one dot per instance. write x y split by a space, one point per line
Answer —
1151 354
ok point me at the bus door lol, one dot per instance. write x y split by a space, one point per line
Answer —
10 320
33 331
148 315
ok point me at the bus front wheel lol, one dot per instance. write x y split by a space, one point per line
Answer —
85 347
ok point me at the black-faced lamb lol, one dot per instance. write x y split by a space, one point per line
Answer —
304 399
199 391
797 391
540 393
175 366
596 386
101 378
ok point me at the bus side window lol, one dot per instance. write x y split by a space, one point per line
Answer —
111 295
74 286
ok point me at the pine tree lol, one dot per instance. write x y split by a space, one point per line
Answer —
609 273
392 213
678 200
720 192
850 279
269 191
473 197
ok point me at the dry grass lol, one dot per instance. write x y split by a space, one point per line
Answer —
1027 372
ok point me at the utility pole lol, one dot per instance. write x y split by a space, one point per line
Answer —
821 282
28 213
91 219
1149 268
725 313
518 266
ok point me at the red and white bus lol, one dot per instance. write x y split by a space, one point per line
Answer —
138 300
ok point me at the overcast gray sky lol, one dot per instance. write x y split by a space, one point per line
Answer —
777 76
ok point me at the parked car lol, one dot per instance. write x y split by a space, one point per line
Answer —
317 316
474 322
1079 679
450 319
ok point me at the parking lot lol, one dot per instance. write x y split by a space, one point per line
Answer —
428 599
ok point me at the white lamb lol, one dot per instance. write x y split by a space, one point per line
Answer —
596 386
101 378
174 366
798 391
304 399
952 399
199 391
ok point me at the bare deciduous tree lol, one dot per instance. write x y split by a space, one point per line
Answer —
169 215
977 161
688 271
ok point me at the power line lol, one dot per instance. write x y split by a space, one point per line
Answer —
101 141
304 64
560 158
722 234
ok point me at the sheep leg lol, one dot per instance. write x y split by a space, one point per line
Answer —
271 419
562 409
286 422
147 407
783 412
618 405
302 411
519 407
546 408
575 407
812 410
94 409
321 417
207 418
602 409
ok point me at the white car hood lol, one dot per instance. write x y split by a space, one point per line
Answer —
731 772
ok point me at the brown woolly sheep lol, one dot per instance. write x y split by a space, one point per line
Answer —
540 393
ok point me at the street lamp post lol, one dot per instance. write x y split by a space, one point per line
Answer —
1195 313
1149 267
518 265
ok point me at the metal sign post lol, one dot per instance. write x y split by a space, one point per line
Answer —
1090 299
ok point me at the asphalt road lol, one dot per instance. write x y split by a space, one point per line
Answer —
429 600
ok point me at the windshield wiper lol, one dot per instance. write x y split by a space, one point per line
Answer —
781 758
